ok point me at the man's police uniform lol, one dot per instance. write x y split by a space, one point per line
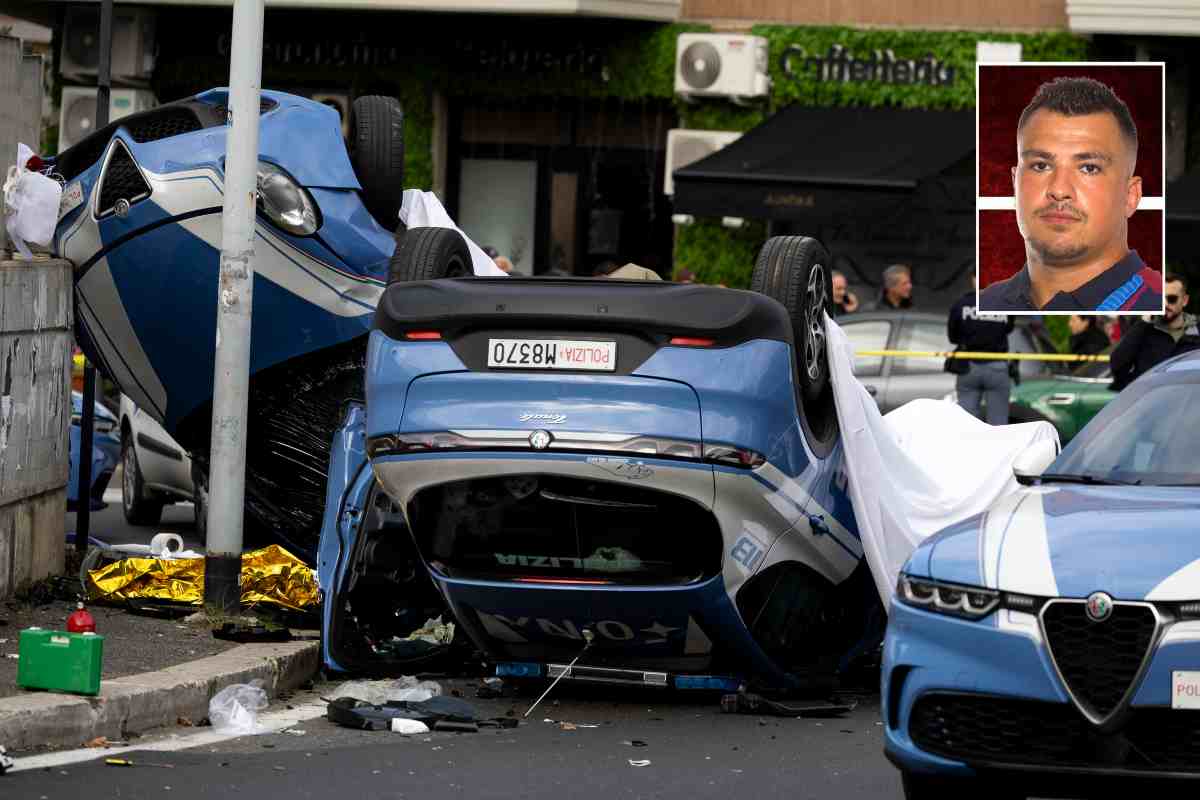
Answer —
1128 285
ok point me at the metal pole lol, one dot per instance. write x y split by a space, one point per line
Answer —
231 376
83 513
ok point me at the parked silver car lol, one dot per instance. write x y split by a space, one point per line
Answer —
895 381
156 470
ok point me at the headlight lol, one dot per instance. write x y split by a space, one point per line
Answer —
285 202
970 602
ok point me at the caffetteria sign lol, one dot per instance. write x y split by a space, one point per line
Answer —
881 66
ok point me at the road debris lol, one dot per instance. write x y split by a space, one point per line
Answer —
6 761
235 708
129 762
103 741
405 689
639 763
588 638
490 688
749 703
409 727
635 743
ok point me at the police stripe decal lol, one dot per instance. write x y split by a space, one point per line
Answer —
1183 584
1014 550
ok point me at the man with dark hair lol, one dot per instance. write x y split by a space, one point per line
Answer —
1087 335
1149 343
897 289
1075 191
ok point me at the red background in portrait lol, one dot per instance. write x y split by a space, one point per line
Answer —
1004 91
1002 250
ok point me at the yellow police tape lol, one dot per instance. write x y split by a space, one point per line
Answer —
270 575
980 356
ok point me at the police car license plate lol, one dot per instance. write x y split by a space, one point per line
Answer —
1185 690
552 354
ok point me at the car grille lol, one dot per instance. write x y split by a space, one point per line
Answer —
981 728
1099 661
122 181
163 124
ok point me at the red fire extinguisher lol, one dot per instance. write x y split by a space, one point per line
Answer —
81 621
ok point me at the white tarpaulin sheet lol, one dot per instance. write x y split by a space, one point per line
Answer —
423 210
920 468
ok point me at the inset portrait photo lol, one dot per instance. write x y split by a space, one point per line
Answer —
1070 188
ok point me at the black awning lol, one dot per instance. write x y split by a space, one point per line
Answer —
805 162
1183 198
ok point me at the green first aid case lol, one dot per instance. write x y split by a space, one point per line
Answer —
60 661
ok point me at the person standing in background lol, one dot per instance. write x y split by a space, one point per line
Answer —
1087 335
897 289
844 301
984 383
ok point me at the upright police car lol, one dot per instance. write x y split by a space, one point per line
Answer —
1052 644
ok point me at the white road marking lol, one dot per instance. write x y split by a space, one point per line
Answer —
272 722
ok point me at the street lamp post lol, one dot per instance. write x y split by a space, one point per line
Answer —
231 375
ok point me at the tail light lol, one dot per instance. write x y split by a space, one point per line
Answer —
691 341
422 336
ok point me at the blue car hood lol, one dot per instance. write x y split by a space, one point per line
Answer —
1133 542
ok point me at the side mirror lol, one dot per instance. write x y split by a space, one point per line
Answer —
1031 462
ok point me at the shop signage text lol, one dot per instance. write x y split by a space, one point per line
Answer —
882 66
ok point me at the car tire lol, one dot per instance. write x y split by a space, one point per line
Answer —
200 502
425 254
376 150
139 509
795 271
937 787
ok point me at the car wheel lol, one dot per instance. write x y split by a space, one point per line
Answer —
376 149
430 253
200 502
139 510
937 787
795 271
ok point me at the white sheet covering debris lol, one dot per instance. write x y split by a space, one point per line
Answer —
920 468
423 210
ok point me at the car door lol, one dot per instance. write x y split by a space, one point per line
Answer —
869 334
911 378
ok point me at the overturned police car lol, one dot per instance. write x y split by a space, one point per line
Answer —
645 473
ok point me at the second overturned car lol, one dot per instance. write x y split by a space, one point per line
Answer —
641 474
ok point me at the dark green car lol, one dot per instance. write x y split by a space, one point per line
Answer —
1066 401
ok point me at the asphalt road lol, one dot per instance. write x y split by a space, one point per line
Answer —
110 525
693 750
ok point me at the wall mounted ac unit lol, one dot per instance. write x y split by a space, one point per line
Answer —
685 146
132 43
721 65
339 101
77 116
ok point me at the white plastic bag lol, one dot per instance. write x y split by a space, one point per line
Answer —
31 202
235 708
423 210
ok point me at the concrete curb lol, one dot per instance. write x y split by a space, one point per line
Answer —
137 703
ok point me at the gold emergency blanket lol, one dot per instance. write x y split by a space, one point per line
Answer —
270 575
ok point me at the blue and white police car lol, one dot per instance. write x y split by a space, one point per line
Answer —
642 475
1051 646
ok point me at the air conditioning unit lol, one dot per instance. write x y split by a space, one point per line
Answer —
685 146
721 65
339 101
77 116
132 43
